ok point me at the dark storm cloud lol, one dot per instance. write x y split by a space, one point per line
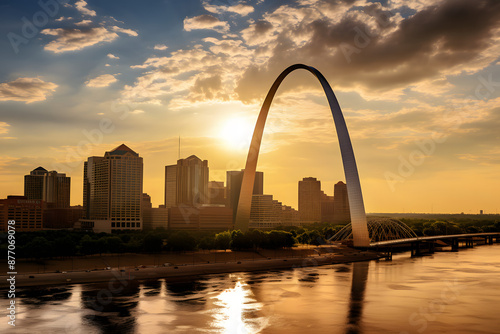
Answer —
383 51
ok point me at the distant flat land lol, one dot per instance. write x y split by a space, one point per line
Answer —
442 216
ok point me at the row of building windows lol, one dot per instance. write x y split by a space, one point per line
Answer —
127 224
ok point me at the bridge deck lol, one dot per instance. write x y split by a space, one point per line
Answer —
435 237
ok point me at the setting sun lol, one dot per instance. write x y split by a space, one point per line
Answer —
237 132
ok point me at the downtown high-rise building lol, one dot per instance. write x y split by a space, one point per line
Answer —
186 182
27 213
341 212
112 191
316 206
233 186
310 197
216 193
268 213
49 186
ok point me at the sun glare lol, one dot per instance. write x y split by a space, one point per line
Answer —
237 132
236 306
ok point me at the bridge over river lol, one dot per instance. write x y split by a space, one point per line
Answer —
420 245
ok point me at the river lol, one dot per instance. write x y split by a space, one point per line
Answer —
442 293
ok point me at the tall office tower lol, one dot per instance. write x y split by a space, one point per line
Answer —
33 183
216 193
186 182
263 212
327 208
57 189
170 186
341 212
51 187
112 191
146 202
233 187
310 200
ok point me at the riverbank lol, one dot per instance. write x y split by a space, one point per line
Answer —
176 266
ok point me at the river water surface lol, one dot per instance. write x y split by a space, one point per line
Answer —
443 293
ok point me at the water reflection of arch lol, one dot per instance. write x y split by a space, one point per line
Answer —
356 205
112 311
191 292
356 301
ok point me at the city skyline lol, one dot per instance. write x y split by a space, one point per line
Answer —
425 138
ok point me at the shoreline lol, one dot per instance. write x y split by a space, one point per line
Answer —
229 263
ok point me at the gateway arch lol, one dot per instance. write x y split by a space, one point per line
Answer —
356 205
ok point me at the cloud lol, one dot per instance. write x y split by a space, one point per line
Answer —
205 21
240 9
26 90
102 81
81 6
83 23
77 39
373 51
392 53
4 128
259 32
112 56
187 74
160 47
63 18
70 39
129 32
137 111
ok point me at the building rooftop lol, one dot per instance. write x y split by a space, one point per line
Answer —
121 150
193 157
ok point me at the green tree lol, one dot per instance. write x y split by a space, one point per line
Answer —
240 240
64 246
181 241
207 242
303 238
429 231
473 229
280 239
152 243
223 240
257 238
39 247
115 244
88 245
315 238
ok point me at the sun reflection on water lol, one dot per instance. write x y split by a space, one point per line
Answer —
238 311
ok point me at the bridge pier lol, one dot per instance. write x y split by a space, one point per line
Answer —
415 248
488 240
388 256
469 243
454 245
432 247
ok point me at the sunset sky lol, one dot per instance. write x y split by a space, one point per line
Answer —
418 81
